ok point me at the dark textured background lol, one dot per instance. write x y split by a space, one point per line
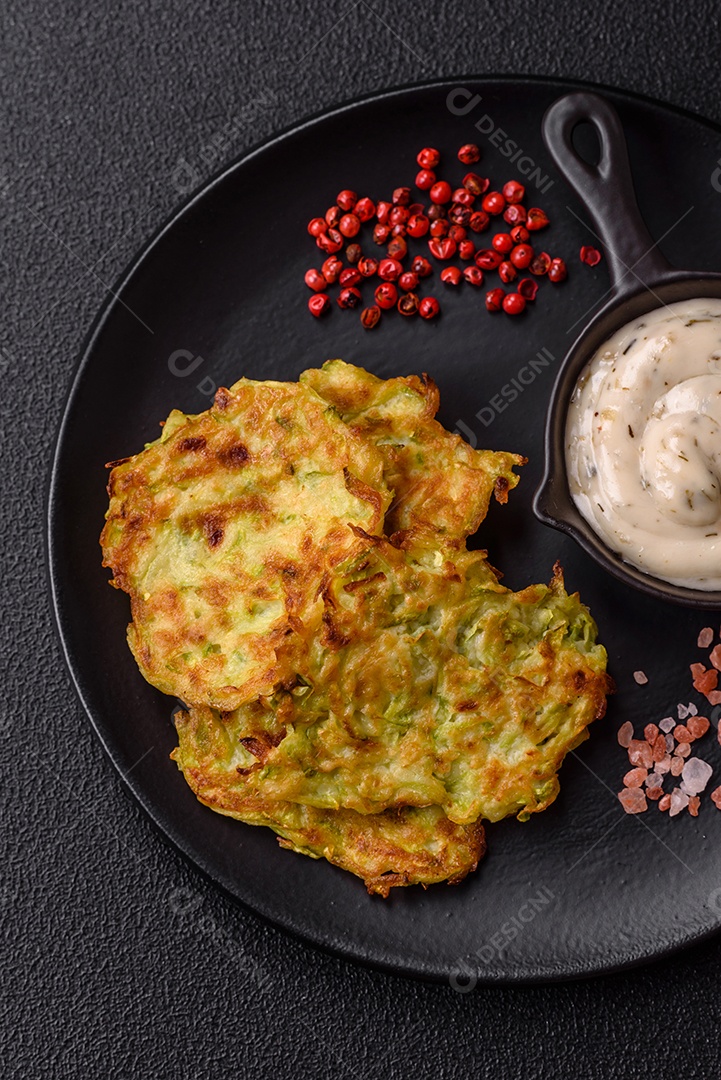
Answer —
120 962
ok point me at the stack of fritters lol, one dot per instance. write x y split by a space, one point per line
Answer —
352 676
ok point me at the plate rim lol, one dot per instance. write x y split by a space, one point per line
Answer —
168 834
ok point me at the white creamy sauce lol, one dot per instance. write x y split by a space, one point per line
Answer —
643 443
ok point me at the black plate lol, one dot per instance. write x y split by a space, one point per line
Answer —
582 888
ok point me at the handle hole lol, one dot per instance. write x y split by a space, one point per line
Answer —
586 143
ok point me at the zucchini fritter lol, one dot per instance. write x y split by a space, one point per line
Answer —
408 846
434 689
221 532
438 479
352 676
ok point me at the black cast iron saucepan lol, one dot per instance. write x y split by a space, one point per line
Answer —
641 280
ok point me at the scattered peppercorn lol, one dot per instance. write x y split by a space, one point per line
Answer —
349 225
408 304
502 242
527 288
514 304
319 304
521 256
428 158
469 154
316 226
370 317
365 209
540 263
346 199
386 295
349 276
493 203
441 192
557 271
425 179
536 219
367 266
315 281
494 299
408 281
451 275
331 269
591 256
513 192
473 276
349 298
507 272
428 307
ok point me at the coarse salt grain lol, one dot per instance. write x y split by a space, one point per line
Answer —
692 710
696 775
676 766
663 765
716 797
650 733
639 753
654 793
682 734
683 750
667 724
633 800
635 777
714 697
682 711
679 802
669 742
640 677
625 734
664 802
705 638
693 805
698 726
715 657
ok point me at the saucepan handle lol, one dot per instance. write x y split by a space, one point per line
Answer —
606 189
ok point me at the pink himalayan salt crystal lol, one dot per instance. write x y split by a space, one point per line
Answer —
682 750
639 753
650 734
625 734
676 766
668 743
633 800
635 777
682 734
716 797
667 724
641 677
696 775
664 765
654 793
705 638
714 697
693 805
679 802
715 657
698 726
664 802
